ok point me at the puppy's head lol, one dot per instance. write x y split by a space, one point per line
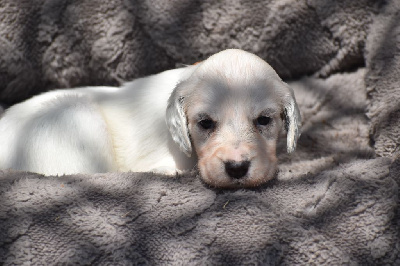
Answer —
231 110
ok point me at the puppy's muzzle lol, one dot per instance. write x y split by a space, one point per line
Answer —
237 169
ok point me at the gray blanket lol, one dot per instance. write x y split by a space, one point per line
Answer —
334 201
47 44
337 216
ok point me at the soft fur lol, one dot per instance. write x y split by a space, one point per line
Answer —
157 124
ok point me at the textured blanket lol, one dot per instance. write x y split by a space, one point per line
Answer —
334 201
330 203
335 217
45 44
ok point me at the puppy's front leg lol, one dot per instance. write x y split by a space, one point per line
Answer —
164 170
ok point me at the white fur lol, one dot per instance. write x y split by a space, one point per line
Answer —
94 129
140 126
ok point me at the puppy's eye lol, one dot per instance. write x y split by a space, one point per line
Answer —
262 120
207 124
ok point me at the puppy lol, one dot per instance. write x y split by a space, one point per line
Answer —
223 114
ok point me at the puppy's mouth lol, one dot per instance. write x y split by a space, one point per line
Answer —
246 182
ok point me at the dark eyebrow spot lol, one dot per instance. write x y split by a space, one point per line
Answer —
202 116
269 112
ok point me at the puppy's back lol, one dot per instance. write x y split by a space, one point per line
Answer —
58 132
92 129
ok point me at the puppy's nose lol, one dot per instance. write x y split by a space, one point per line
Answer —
237 169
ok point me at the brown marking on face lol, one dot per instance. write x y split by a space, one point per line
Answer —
231 142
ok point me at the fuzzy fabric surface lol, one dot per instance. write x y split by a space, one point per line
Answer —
343 215
47 44
334 201
383 80
331 203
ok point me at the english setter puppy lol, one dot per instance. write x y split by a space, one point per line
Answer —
223 115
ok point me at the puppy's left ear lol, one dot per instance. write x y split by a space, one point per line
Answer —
292 119
177 122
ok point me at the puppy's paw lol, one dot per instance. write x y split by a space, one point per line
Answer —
164 170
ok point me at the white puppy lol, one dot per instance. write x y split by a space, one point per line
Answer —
224 114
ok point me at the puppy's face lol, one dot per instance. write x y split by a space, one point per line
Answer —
231 110
234 127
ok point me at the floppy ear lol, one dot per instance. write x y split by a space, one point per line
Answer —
292 119
177 122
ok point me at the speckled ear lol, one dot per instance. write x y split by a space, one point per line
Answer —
177 122
292 120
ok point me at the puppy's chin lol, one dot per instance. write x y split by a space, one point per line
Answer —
214 175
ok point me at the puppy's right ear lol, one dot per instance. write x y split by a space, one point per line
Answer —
177 122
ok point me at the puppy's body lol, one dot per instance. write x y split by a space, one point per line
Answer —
224 114
94 129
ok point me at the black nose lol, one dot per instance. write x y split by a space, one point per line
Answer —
237 169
